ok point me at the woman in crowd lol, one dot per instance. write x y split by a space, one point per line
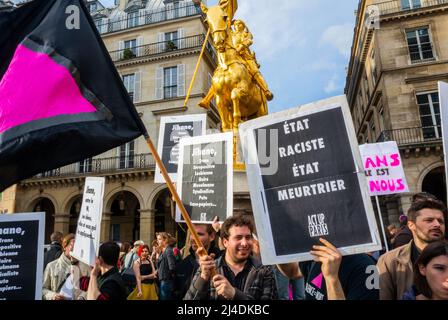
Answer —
431 274
166 265
145 274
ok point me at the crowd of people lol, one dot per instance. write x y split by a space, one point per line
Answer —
228 266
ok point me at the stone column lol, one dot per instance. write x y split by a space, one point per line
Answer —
105 227
406 202
147 232
61 222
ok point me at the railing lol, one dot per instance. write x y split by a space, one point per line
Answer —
396 6
103 165
409 136
146 18
157 48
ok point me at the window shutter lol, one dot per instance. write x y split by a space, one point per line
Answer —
169 11
181 80
104 25
137 86
182 8
160 42
181 35
141 17
121 49
139 46
159 84
124 21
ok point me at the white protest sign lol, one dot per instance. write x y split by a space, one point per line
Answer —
205 177
21 255
88 229
172 130
306 181
383 168
443 99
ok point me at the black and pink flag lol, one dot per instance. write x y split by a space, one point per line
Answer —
61 98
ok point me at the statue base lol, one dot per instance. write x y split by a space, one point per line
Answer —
238 159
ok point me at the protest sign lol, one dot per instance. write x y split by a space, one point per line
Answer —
205 177
21 255
88 229
172 129
383 168
443 99
311 185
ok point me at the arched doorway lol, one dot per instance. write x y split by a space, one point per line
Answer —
164 218
125 218
434 183
45 205
74 211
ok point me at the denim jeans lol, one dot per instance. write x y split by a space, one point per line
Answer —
166 290
297 288
282 284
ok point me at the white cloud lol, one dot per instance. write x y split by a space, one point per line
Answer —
332 85
340 37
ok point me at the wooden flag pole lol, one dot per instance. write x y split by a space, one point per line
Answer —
176 197
382 224
197 68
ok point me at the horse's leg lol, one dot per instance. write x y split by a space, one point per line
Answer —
263 109
236 98
226 124
205 103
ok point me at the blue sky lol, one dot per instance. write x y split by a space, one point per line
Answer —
303 46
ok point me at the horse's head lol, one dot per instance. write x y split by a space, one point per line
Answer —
217 21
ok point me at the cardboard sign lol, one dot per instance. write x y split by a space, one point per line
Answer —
172 129
205 177
306 181
21 255
88 230
383 168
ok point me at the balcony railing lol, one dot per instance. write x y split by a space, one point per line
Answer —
395 6
103 166
412 136
146 18
151 49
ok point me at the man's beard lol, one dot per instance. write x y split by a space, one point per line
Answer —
428 238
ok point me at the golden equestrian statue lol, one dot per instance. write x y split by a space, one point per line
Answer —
240 91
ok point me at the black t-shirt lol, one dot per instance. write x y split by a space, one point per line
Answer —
353 275
111 286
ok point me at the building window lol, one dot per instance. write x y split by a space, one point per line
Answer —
131 45
126 155
381 117
429 108
410 4
373 68
133 19
367 89
98 24
129 83
171 41
93 7
85 166
170 83
419 44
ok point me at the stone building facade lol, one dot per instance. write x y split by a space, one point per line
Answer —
399 53
155 46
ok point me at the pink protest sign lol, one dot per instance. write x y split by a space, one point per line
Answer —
383 168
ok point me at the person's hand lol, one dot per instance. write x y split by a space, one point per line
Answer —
58 297
96 270
206 263
139 294
330 258
223 287
216 224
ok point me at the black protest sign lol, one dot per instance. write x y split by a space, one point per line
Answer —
172 130
317 189
205 177
21 256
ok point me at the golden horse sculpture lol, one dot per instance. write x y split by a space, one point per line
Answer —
240 91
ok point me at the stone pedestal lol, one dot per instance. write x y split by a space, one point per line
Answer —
61 222
147 232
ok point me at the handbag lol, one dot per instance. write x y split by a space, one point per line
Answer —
128 274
